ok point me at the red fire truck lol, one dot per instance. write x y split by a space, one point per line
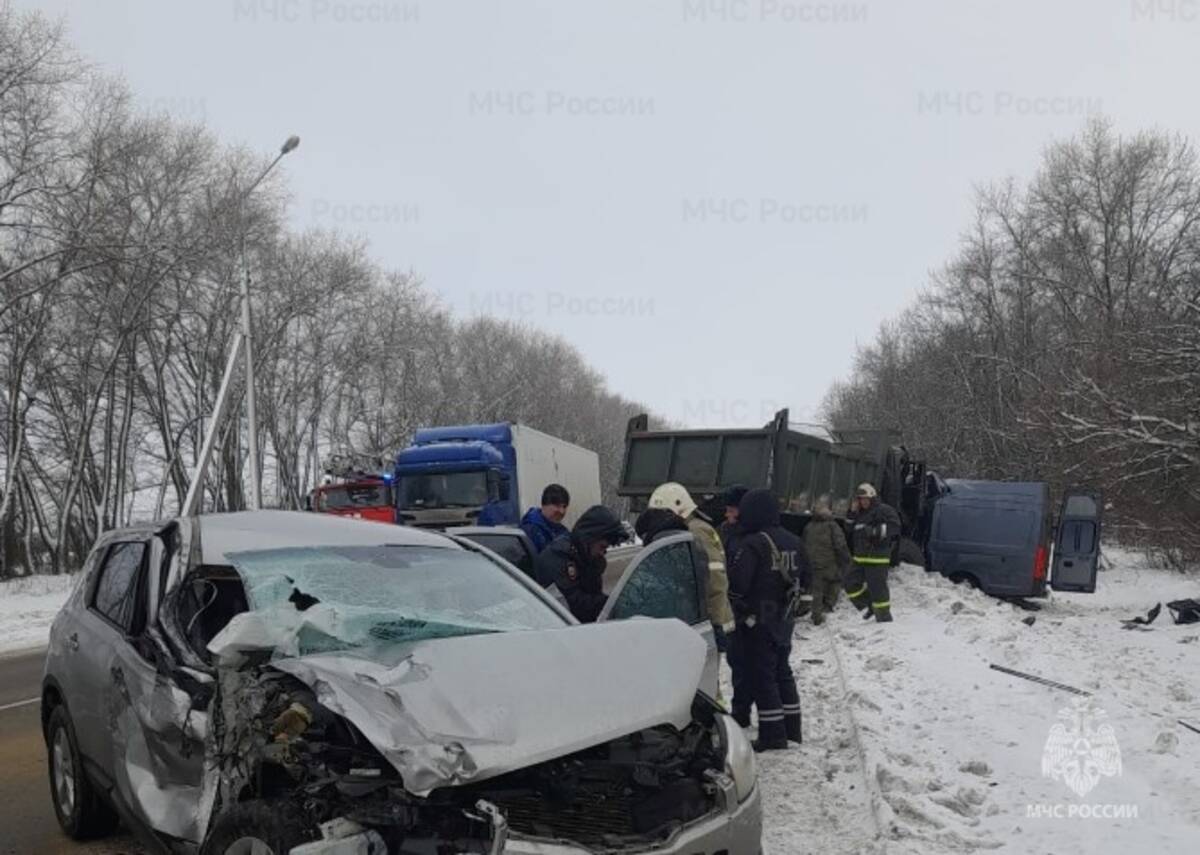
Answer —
354 490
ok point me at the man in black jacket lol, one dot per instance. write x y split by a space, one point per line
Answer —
768 574
731 536
575 563
874 531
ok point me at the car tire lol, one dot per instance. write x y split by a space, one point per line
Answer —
258 828
81 812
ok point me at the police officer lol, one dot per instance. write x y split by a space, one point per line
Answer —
769 572
731 536
575 562
874 533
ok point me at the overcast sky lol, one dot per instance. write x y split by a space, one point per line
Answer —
715 200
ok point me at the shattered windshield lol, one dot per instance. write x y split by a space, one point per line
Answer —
317 599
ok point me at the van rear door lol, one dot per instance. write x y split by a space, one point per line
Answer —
1077 543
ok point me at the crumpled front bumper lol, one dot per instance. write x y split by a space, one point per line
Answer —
736 832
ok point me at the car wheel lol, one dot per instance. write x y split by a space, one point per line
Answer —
80 810
258 828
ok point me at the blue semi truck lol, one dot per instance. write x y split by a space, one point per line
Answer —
488 475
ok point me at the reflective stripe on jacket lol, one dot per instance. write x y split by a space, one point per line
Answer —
719 610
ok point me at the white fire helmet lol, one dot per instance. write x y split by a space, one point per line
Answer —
674 497
866 491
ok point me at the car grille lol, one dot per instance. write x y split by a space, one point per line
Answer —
594 816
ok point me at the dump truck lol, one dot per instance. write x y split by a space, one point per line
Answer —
799 467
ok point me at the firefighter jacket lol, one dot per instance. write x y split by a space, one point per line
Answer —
873 535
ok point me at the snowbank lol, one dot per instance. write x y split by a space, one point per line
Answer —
28 607
913 745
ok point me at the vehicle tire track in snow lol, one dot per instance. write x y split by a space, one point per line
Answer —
875 796
928 800
815 798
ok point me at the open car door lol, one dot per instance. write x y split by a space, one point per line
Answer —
510 543
664 581
1077 543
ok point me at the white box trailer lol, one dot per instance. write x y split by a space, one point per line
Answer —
542 459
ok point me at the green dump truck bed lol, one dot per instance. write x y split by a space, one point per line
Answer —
798 467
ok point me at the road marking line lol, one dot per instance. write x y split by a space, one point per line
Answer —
13 706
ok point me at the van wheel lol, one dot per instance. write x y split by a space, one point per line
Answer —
258 828
911 553
81 812
960 578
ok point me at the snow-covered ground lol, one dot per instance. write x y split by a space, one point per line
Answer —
28 607
913 745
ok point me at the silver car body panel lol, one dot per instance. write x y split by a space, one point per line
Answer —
439 714
442 718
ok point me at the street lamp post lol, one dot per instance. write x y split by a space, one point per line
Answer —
241 342
251 410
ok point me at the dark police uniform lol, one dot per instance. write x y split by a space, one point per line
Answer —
768 571
568 564
743 696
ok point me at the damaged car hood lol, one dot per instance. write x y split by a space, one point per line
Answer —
456 710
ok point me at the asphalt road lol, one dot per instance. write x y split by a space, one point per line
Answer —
27 823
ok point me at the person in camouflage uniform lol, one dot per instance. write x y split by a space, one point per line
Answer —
828 557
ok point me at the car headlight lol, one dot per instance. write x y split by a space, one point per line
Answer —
739 758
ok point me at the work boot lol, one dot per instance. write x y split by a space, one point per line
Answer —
761 745
883 616
772 735
791 724
742 717
867 614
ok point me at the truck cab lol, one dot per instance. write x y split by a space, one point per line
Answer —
471 475
456 476
363 500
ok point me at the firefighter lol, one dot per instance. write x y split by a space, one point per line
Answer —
768 575
575 562
676 498
828 559
874 532
544 524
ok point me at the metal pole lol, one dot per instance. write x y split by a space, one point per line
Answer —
251 412
194 501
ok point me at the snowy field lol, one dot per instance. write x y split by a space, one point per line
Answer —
913 745
27 608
